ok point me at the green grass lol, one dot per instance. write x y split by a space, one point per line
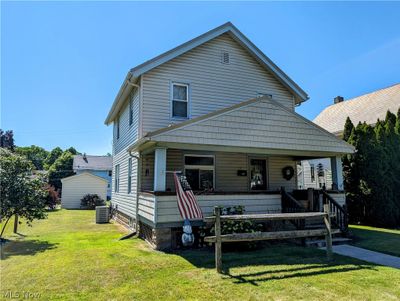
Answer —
69 257
377 239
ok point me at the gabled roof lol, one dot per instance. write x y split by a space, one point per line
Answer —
86 162
368 107
257 123
84 174
229 28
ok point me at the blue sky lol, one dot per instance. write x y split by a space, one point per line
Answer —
63 63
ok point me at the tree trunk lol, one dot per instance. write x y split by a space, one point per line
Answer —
4 227
16 224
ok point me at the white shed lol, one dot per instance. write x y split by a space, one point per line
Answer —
77 186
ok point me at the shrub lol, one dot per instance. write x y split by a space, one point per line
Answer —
230 226
90 201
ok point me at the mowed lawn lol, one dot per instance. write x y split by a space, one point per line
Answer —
69 257
377 239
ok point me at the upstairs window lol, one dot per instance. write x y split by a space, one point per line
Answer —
117 128
180 100
131 111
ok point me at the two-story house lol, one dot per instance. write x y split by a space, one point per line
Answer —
219 110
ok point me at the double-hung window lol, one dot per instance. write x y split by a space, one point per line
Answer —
118 129
116 178
129 175
131 111
180 100
199 171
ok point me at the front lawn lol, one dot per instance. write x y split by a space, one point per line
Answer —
377 239
69 257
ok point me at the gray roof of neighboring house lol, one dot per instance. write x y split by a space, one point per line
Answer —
82 162
229 28
365 108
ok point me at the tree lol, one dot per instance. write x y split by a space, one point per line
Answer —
348 128
61 168
52 157
72 150
371 173
7 140
33 153
21 195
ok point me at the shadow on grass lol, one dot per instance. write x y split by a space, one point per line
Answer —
274 262
24 248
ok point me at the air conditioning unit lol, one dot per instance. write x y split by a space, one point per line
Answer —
102 214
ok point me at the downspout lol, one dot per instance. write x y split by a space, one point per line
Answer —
138 184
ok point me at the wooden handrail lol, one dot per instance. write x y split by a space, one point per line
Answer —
339 212
269 216
290 198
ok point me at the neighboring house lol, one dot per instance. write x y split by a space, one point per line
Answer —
100 166
75 187
365 108
219 110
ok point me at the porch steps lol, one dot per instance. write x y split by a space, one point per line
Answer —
321 242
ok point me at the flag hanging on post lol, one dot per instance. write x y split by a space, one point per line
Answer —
187 203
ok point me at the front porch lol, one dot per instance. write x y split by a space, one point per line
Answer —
252 180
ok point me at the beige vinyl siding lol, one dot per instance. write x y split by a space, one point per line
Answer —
261 124
276 180
128 133
226 167
147 206
213 85
125 201
167 208
74 188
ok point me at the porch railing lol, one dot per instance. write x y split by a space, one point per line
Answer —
291 205
338 213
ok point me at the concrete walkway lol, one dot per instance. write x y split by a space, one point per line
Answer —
367 255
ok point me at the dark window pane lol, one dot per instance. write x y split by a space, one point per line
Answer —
206 179
179 109
192 176
180 92
193 160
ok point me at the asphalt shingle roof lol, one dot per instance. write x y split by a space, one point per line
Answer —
92 162
368 108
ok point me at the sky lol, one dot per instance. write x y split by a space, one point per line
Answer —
62 63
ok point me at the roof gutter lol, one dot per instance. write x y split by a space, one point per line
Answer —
121 93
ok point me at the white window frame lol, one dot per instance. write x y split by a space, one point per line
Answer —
118 129
188 100
117 178
200 167
129 188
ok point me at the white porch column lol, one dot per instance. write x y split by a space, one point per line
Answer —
337 172
160 163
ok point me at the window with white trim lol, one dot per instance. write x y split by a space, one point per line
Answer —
116 179
200 171
129 175
118 128
180 100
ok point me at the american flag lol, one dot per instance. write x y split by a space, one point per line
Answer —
187 203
